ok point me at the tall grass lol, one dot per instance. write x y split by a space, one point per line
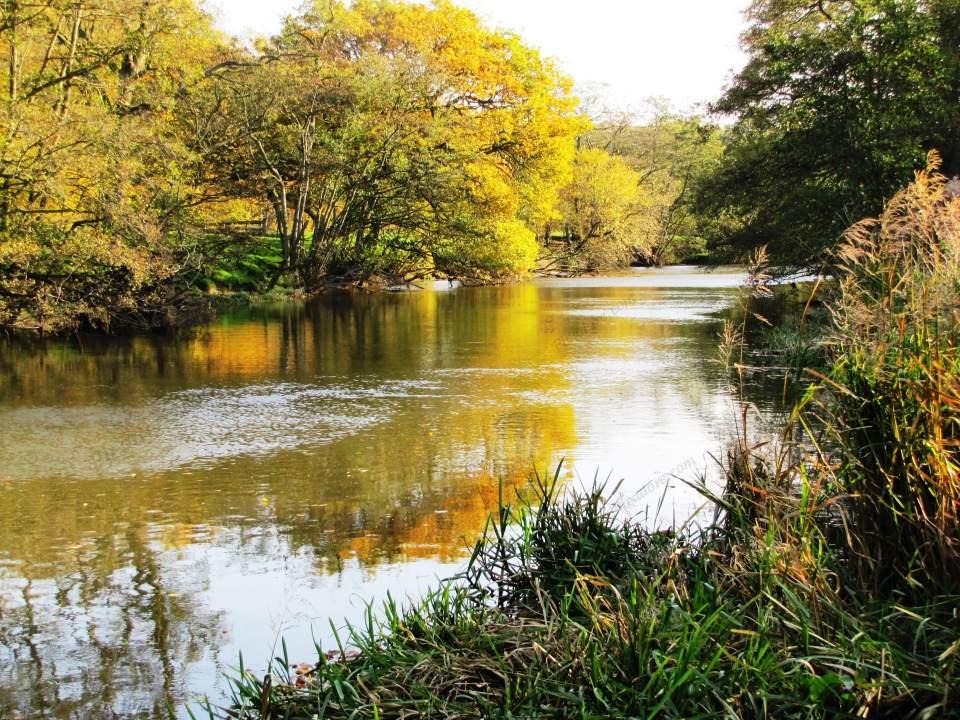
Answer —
825 586
895 386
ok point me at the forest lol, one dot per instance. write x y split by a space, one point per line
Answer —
149 163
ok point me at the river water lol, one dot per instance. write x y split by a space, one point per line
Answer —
166 503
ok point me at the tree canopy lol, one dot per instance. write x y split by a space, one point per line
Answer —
398 138
837 107
95 180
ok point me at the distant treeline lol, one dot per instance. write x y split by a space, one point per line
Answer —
146 159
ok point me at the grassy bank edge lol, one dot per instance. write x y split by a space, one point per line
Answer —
568 610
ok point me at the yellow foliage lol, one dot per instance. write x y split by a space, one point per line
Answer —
407 136
515 246
599 210
93 167
493 121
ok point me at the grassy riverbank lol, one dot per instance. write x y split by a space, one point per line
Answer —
826 583
567 612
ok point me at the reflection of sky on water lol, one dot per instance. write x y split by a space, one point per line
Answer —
190 427
280 595
678 276
168 503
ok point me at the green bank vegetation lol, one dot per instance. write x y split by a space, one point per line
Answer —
824 584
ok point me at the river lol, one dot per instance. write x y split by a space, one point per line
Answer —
166 503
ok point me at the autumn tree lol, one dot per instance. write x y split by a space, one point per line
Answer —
94 180
631 197
673 153
398 139
598 228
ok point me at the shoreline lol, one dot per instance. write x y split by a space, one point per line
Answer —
203 307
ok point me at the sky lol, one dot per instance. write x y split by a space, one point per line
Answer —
620 53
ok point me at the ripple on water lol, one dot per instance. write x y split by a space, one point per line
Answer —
194 427
676 309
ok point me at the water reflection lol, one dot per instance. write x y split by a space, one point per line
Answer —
165 503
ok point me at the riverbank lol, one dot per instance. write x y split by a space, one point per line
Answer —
566 611
196 307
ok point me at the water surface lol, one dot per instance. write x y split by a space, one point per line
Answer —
168 502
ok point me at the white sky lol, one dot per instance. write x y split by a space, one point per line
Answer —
624 52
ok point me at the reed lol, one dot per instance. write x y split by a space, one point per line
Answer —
895 389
